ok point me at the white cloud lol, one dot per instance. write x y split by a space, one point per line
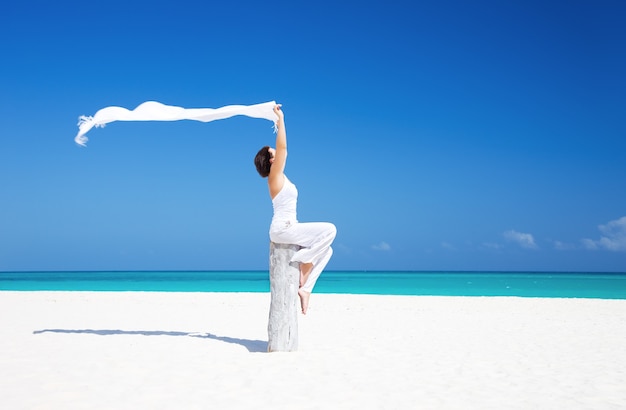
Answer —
613 239
562 246
492 245
525 240
383 246
589 244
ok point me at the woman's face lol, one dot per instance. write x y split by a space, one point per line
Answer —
272 153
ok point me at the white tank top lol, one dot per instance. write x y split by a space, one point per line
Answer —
285 204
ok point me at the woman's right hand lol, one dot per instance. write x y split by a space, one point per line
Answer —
279 112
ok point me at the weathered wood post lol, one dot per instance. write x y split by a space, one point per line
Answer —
282 328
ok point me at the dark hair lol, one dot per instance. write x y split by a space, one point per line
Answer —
262 161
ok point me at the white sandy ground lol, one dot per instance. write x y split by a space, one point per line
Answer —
134 350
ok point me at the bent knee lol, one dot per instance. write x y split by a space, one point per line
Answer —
332 230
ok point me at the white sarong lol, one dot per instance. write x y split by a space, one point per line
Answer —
155 111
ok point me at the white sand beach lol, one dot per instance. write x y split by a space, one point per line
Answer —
135 350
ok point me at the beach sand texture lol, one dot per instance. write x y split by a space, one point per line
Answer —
152 350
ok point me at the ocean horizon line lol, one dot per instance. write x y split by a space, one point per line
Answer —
606 285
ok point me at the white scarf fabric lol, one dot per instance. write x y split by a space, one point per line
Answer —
155 111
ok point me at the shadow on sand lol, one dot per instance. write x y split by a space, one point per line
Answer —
251 345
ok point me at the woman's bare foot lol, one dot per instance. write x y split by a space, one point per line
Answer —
304 299
305 271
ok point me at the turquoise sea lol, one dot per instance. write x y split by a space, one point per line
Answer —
524 284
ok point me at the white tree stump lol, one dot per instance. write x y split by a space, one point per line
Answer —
282 328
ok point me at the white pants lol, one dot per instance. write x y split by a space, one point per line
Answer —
314 238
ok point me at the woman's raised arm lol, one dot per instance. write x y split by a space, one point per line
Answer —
276 177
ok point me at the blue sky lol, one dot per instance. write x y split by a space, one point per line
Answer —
447 135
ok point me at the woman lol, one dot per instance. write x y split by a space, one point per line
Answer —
314 238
